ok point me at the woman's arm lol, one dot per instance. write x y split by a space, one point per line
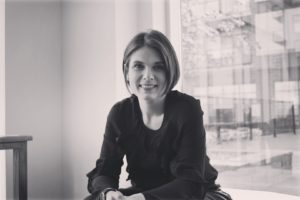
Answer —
108 166
188 165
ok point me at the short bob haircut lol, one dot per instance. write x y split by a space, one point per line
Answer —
160 43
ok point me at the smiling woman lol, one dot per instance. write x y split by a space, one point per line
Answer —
146 75
162 53
159 130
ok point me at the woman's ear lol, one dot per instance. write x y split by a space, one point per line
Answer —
127 78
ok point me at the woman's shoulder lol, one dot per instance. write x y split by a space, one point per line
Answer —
182 107
125 102
182 101
123 107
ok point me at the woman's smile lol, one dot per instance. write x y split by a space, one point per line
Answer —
148 86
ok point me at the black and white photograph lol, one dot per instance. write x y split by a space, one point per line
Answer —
149 99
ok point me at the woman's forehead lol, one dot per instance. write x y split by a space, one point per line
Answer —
146 54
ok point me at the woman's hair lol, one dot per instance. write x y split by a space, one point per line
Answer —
160 43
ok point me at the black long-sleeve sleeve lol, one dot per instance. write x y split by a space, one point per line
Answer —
188 165
108 166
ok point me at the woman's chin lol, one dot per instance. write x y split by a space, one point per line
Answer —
150 97
147 98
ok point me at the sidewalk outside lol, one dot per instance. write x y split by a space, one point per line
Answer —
260 176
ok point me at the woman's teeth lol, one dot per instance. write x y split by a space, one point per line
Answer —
147 86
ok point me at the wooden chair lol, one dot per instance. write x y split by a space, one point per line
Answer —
19 146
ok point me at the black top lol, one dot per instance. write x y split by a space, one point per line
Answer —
168 163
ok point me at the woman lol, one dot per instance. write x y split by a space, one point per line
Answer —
159 130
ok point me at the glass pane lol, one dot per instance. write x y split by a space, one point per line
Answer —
241 58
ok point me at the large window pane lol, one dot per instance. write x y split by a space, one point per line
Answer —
241 58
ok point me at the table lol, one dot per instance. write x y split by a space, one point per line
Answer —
19 146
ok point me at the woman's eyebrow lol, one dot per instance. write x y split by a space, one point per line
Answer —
155 63
137 61
159 62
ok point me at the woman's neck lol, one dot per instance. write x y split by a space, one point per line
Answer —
152 113
152 108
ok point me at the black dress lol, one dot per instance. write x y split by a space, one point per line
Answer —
168 163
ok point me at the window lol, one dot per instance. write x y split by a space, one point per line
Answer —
241 59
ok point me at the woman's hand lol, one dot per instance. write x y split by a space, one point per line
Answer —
115 195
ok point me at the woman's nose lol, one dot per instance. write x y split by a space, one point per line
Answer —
148 75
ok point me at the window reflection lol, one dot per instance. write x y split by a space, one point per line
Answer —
242 59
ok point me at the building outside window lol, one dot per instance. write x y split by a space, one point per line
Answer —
241 58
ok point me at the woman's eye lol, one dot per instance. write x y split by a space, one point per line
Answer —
159 67
138 66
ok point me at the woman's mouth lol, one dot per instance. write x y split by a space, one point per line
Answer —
147 86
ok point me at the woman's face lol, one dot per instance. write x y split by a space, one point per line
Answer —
146 74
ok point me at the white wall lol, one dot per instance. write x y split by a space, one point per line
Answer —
33 90
88 87
126 26
2 97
